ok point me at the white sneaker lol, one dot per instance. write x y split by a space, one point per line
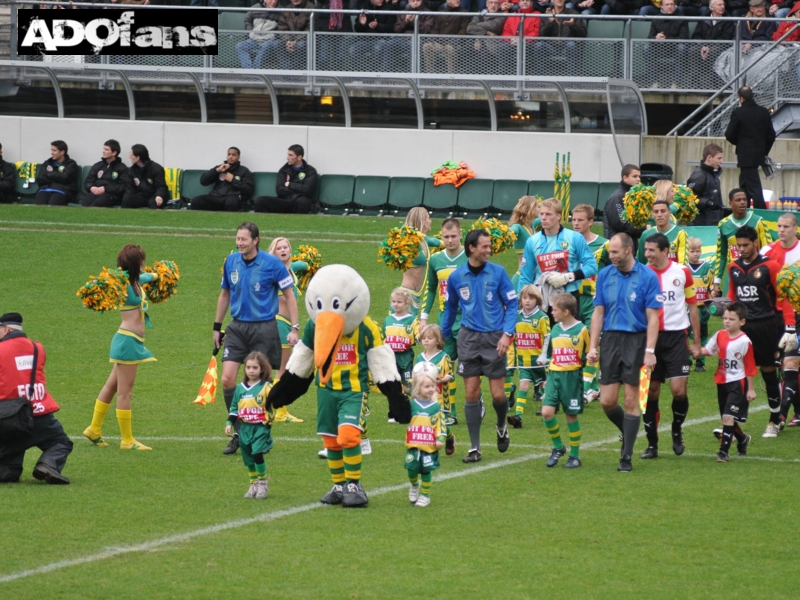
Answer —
772 431
392 421
251 493
591 395
323 453
422 501
261 489
366 447
413 494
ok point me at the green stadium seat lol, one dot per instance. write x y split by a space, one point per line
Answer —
475 196
541 188
440 198
602 29
264 184
190 184
692 27
231 21
640 30
336 191
406 192
583 192
371 192
604 191
506 194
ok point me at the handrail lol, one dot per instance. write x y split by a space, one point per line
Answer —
720 91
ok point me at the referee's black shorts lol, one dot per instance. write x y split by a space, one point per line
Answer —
621 356
766 335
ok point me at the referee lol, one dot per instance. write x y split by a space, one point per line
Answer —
488 303
251 279
626 311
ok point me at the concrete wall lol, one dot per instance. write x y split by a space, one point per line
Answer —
676 151
361 151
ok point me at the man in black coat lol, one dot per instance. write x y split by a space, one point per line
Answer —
704 181
751 131
147 187
664 33
7 182
233 185
612 213
107 179
57 177
295 187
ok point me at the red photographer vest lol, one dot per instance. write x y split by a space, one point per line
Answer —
16 360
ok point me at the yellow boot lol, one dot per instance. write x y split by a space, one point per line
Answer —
282 416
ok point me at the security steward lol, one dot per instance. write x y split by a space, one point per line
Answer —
16 360
295 187
147 187
233 185
106 181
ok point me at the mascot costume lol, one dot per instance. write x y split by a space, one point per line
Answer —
346 347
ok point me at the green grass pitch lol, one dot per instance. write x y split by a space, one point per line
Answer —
172 523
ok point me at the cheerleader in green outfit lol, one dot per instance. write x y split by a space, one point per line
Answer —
524 222
127 353
250 407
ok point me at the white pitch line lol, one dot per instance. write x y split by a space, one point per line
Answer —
113 551
733 456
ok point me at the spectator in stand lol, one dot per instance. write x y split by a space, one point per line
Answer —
8 173
376 21
262 40
511 30
331 48
559 28
294 188
693 8
791 21
490 25
586 7
447 24
704 182
756 31
146 187
780 9
233 185
107 179
293 53
750 130
397 51
714 30
621 7
661 30
57 177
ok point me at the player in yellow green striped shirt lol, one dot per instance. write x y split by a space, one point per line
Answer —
433 352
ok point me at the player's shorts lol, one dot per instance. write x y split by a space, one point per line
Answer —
533 374
338 408
451 346
564 388
284 329
254 439
732 398
621 357
765 335
405 365
127 348
243 337
421 462
586 308
673 359
477 351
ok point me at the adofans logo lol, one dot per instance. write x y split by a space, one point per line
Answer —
116 31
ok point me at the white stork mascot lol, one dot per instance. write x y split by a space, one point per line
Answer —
345 346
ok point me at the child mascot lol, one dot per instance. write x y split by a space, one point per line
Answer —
345 346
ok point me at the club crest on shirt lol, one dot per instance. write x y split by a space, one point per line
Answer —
676 282
114 175
737 355
632 297
301 176
464 293
757 274
564 245
234 277
257 287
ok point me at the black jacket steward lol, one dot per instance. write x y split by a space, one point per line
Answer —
111 176
8 171
715 30
62 177
241 186
302 182
149 180
751 131
612 216
704 181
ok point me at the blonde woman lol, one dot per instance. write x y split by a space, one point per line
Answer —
416 278
523 222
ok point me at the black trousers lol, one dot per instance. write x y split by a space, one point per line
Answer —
271 204
142 201
48 436
750 182
219 203
103 200
52 199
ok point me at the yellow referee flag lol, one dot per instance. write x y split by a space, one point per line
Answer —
644 387
208 389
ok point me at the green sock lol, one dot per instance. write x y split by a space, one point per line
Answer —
574 438
413 477
590 378
508 382
336 465
352 463
554 431
262 470
427 478
522 400
252 473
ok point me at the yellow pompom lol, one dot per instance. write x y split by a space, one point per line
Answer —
312 257
401 247
166 285
638 203
503 238
106 291
686 201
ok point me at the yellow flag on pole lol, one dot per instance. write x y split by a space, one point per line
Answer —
208 389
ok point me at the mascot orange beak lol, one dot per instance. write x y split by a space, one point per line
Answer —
328 331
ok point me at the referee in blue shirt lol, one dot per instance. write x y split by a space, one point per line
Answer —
488 302
626 312
251 279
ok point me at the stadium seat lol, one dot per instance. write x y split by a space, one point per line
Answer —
190 184
606 29
440 198
541 188
583 192
406 192
506 194
605 190
640 30
336 191
371 192
264 184
231 21
475 196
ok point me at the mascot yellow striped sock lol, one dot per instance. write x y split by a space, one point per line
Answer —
352 463
99 416
336 465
